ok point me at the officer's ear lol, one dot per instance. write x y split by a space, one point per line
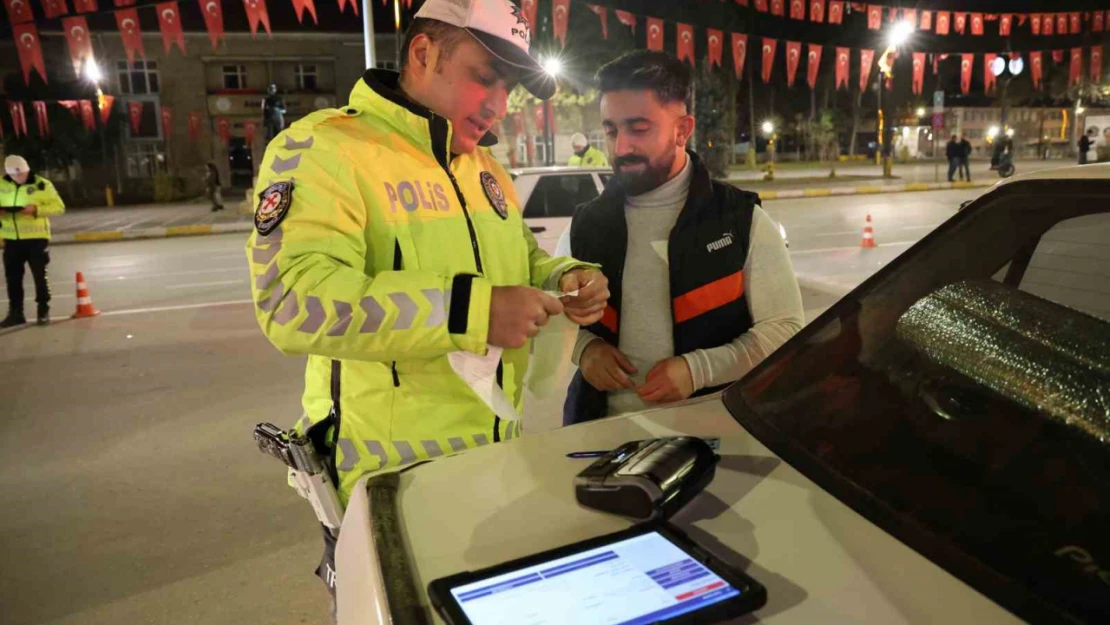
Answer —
420 53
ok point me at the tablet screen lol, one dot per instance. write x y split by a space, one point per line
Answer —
643 579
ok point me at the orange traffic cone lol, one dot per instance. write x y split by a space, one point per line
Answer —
85 306
868 234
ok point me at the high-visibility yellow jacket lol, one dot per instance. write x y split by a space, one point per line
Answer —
38 191
375 252
592 158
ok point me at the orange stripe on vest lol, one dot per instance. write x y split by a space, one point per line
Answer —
609 319
709 297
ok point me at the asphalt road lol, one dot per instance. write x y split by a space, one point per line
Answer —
131 490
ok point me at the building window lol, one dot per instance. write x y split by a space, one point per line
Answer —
306 76
235 76
138 78
144 159
390 65
539 147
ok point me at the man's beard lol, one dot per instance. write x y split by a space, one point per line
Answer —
650 178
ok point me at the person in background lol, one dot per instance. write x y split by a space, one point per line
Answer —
965 159
953 151
1084 147
584 154
701 285
27 201
212 187
273 113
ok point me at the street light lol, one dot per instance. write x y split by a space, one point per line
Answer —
920 111
769 130
92 72
553 66
992 132
901 34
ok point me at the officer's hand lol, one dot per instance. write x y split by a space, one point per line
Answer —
593 293
516 314
605 367
30 209
669 380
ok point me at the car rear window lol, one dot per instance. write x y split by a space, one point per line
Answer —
558 195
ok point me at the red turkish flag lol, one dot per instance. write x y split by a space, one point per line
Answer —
842 60
54 8
129 31
965 72
42 120
1036 61
654 34
778 7
603 15
866 61
257 14
859 7
1096 64
1035 21
530 8
1005 25
961 23
105 102
135 114
19 118
194 126
836 12
214 20
628 19
797 9
918 72
167 122
977 24
817 10
1098 22
19 11
1048 26
989 78
300 6
77 36
250 127
1075 75
124 3
813 60
793 56
686 43
223 128
88 117
715 41
892 16
560 18
84 6
742 3
739 52
926 20
1061 23
874 16
944 22
761 5
769 46
73 106
1058 56
1076 24
910 15
29 46
169 22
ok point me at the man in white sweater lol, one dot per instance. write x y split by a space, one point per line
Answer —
701 284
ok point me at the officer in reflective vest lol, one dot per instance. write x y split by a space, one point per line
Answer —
27 200
584 154
387 237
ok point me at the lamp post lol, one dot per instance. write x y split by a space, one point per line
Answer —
769 131
94 75
1005 72
899 36
553 66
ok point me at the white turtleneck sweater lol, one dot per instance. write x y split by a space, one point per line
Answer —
646 332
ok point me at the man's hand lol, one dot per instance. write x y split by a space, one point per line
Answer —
516 314
30 209
605 367
593 293
668 381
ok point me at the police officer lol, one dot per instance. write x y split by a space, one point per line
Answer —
27 200
584 154
387 237
273 112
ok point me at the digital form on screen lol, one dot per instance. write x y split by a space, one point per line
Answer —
639 580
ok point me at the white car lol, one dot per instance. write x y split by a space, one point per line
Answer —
549 196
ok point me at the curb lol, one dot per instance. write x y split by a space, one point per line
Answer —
150 233
871 190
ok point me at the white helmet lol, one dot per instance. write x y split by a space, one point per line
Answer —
14 165
579 140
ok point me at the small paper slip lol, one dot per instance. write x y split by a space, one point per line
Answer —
560 294
480 373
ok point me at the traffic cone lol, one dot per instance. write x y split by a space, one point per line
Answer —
85 306
868 234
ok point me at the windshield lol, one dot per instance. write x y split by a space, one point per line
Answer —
960 399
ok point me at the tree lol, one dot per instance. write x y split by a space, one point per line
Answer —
714 95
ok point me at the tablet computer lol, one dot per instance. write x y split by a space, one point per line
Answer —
652 573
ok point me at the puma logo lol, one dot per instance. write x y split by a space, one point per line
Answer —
720 243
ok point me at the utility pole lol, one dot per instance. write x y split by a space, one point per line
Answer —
368 33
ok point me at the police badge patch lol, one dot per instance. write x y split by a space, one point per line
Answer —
273 204
495 195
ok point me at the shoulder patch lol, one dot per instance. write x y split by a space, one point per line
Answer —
273 205
495 194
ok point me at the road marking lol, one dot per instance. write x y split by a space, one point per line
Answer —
203 284
139 311
825 250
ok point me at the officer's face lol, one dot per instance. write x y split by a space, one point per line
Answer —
644 137
470 88
21 177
